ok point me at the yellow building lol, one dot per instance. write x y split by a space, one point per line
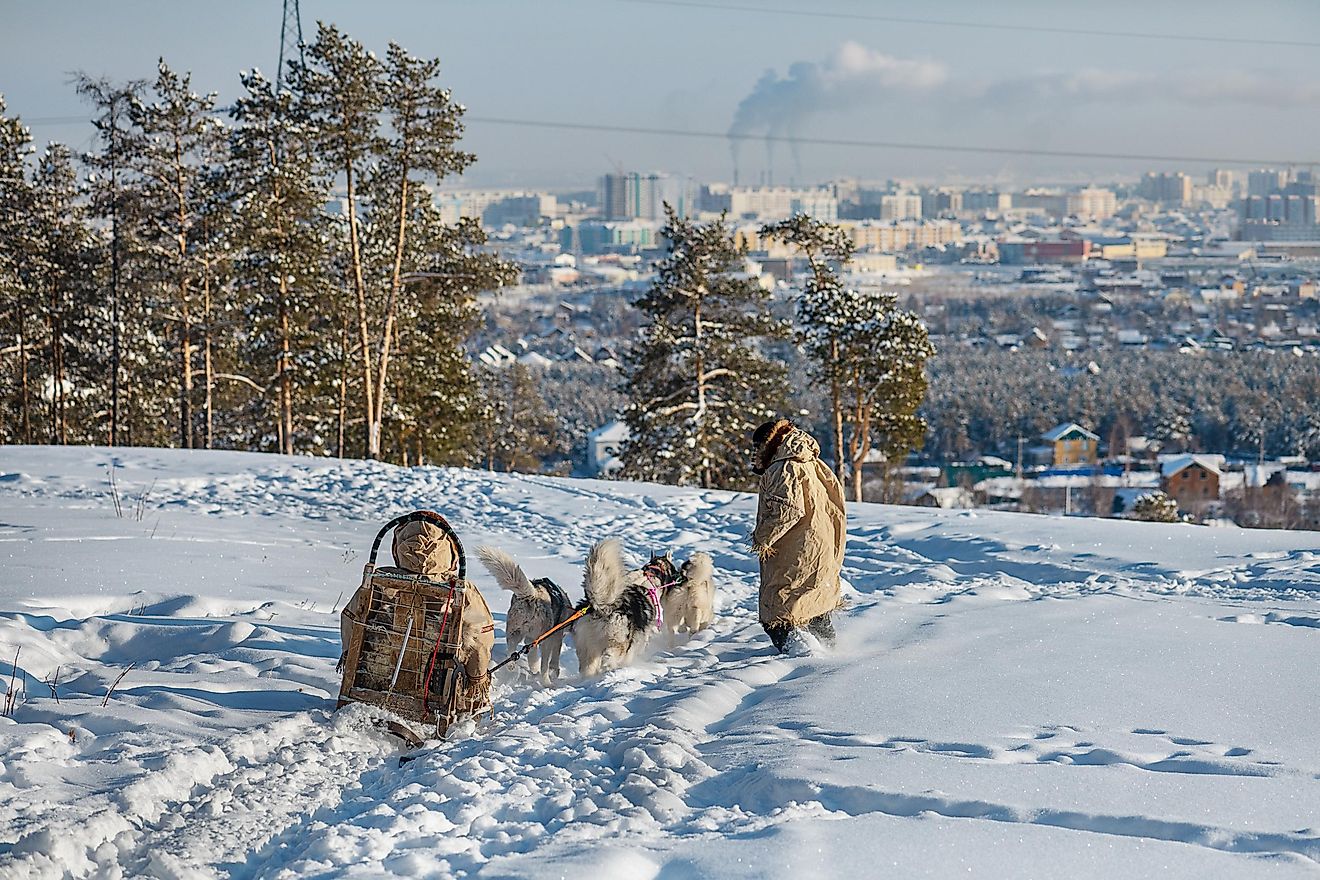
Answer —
881 236
1071 444
1139 249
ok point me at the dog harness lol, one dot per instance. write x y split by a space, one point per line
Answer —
656 571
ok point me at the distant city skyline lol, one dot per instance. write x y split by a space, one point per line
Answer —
678 67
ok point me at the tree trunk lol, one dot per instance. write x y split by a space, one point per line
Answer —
704 473
53 412
343 382
836 409
861 438
114 277
209 373
185 376
59 413
23 372
285 385
128 411
185 328
364 338
391 303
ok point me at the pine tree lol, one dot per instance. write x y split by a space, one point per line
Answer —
871 353
388 129
826 310
282 257
1155 506
886 361
425 126
16 203
59 273
434 398
697 382
108 201
517 429
340 92
177 144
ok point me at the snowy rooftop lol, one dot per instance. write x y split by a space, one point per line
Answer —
1060 431
1173 464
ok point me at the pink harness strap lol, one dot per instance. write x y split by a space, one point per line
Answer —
653 593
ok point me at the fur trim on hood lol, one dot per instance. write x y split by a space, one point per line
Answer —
766 450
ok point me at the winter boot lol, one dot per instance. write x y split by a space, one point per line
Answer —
822 627
778 633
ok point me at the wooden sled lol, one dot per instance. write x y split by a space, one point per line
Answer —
404 630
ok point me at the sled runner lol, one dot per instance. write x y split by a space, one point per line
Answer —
405 646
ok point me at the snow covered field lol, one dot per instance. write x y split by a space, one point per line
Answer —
1012 696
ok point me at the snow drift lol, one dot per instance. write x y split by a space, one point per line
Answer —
1012 695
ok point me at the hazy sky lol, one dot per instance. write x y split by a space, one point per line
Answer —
671 66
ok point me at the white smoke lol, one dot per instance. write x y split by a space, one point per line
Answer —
851 78
855 78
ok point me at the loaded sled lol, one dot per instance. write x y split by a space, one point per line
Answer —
417 636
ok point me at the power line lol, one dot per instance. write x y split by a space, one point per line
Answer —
830 142
884 145
984 25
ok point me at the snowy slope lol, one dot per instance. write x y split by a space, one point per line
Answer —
1013 696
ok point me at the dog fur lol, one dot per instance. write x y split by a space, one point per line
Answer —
689 605
621 619
536 606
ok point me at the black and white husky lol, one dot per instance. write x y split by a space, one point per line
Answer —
623 604
627 607
537 606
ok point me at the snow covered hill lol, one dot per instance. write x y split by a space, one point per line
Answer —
1012 696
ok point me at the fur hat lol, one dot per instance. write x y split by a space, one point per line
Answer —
766 440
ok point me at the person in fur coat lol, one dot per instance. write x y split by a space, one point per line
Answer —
800 533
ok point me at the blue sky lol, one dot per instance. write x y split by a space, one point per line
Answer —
618 62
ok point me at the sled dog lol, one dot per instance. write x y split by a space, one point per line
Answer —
689 604
537 606
623 608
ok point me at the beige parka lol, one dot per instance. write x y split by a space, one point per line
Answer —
800 533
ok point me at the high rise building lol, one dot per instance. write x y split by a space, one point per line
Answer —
1093 203
978 200
1166 188
780 202
1266 182
940 202
634 196
900 206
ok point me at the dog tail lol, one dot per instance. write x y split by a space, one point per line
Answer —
507 573
603 581
699 568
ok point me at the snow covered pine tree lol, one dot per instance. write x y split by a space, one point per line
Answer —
698 381
390 130
871 353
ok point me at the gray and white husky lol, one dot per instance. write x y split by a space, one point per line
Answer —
537 606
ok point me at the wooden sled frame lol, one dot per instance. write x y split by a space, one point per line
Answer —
406 629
